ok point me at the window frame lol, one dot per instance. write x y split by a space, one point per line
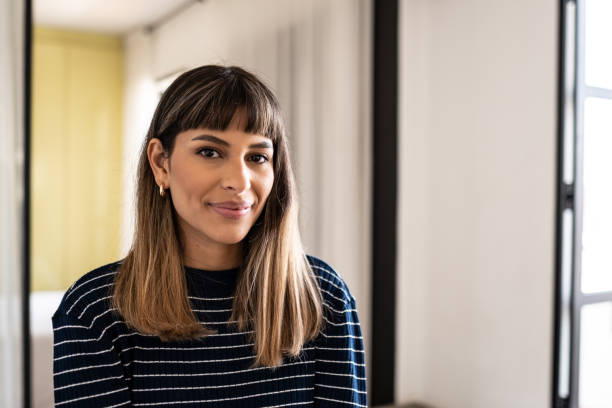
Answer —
569 298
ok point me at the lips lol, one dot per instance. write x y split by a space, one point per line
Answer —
232 209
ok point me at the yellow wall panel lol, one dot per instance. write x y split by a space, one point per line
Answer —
76 154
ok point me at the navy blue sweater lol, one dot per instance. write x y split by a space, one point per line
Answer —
100 362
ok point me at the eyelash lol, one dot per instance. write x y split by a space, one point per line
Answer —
208 149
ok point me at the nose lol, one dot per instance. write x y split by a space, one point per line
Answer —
236 177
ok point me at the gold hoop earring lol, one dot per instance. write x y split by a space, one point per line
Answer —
162 192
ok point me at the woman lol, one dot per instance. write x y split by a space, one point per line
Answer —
216 303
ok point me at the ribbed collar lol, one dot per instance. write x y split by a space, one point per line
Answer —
212 283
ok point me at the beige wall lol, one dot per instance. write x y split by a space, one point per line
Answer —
76 154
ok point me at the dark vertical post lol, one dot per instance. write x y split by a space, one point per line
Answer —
25 296
384 201
578 201
557 401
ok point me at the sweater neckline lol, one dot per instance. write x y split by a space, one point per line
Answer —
224 277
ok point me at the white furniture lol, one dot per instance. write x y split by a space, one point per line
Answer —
42 307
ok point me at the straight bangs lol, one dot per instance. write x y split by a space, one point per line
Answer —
216 106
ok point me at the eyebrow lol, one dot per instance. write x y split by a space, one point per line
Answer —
265 144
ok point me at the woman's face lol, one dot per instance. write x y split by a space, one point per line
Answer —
219 182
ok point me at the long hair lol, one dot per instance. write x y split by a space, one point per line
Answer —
276 295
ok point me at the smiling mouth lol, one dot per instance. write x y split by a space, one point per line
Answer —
231 213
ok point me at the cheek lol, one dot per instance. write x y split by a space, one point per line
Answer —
267 184
190 183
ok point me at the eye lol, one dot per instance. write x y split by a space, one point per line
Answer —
259 158
209 153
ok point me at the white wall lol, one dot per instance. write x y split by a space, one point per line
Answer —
477 175
12 169
316 56
413 216
140 100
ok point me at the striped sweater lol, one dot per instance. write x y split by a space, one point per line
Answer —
100 362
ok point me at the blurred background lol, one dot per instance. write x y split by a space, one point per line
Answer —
452 158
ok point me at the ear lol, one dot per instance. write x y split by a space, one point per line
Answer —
158 160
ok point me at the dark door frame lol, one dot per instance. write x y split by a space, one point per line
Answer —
384 189
25 244
384 200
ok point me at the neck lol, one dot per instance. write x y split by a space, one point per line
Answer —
213 256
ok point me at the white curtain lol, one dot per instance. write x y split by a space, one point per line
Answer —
11 200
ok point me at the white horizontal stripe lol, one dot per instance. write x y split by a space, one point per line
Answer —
88 382
211 310
290 404
108 327
344 301
198 361
119 405
329 273
190 361
341 388
73 341
93 353
70 326
340 348
219 298
84 294
341 324
90 325
342 375
225 322
343 402
222 399
332 283
336 280
341 362
206 387
87 281
101 314
86 368
90 396
337 284
142 334
218 373
328 336
228 334
339 311
185 348
93 303
129 335
152 335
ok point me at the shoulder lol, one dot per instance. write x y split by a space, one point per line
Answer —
90 295
334 290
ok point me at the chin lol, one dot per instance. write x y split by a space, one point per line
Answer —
231 241
229 238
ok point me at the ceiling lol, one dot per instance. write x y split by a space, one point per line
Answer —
104 16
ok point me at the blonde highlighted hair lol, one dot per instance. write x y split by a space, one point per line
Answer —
276 295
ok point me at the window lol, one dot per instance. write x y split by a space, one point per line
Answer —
583 348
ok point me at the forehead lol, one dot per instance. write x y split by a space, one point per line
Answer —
228 137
